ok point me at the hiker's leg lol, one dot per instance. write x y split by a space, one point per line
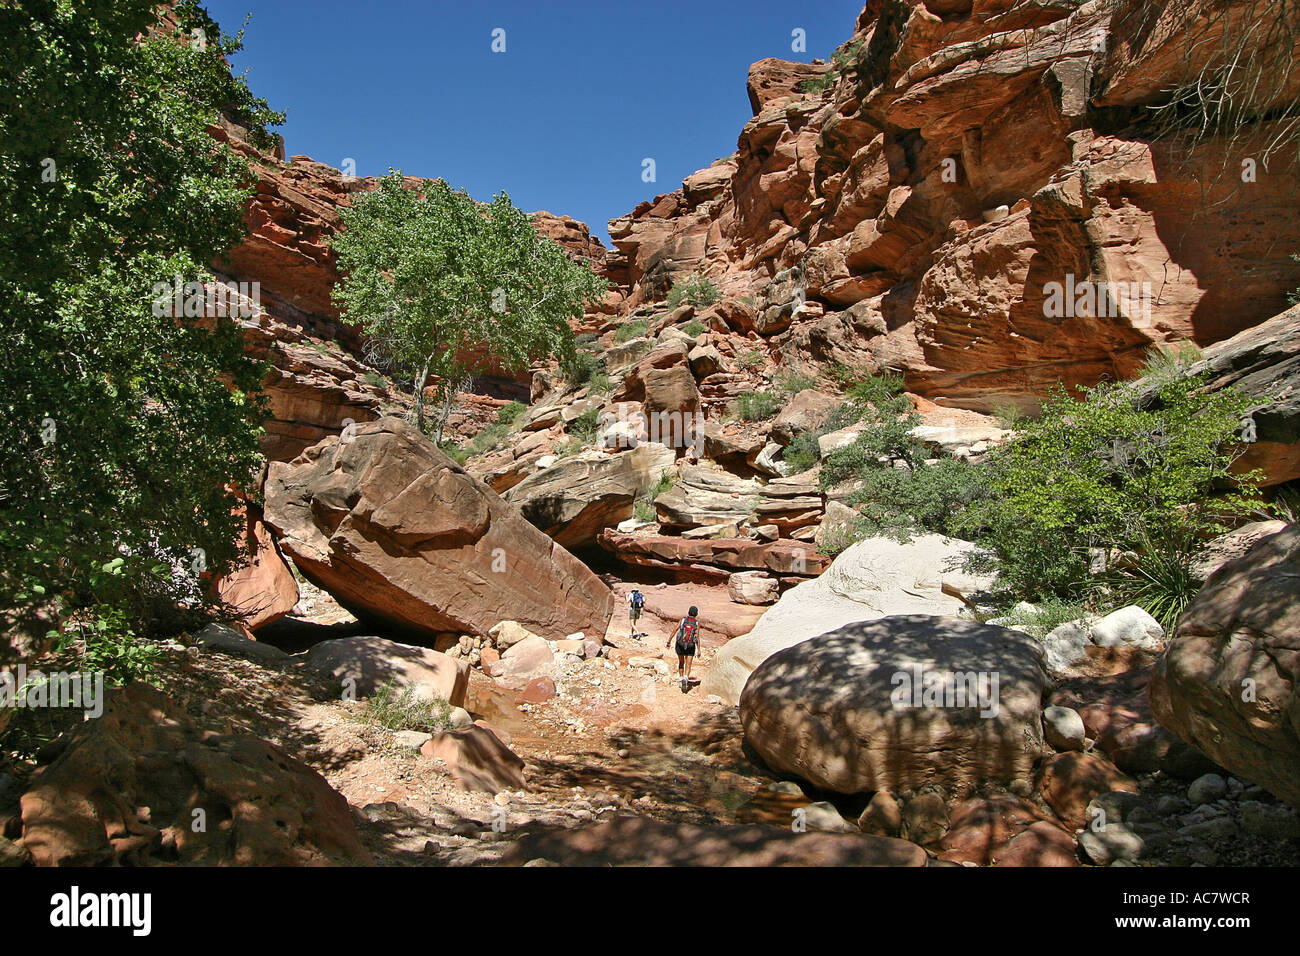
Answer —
690 659
681 665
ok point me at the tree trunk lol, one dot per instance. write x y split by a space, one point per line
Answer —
420 379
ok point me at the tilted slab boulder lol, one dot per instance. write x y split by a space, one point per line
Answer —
1227 683
899 703
394 529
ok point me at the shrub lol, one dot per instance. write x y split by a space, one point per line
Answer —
1169 362
803 452
791 383
631 330
579 368
395 709
1160 582
108 644
1046 616
884 439
509 413
751 359
1114 471
693 328
644 507
758 406
930 498
697 291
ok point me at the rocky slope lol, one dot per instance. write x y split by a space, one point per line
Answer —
978 152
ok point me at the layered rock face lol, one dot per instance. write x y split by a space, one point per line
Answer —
1227 683
578 497
390 526
918 214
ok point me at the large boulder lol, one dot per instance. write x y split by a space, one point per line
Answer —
1227 683
127 788
869 580
394 529
369 663
577 497
261 589
900 702
806 412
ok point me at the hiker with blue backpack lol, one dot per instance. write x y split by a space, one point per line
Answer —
687 638
635 602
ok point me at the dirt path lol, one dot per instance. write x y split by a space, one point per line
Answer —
617 737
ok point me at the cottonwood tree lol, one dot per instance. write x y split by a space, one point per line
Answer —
442 284
123 429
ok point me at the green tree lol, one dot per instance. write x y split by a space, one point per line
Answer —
124 427
441 283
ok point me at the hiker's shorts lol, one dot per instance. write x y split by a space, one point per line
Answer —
685 650
633 613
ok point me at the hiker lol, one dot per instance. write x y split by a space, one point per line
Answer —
687 637
635 602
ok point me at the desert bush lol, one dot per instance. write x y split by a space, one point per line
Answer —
509 413
697 291
631 330
1114 471
758 406
399 708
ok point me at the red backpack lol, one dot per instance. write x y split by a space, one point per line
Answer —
686 633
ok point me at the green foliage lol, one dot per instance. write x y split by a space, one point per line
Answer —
435 277
791 383
110 188
697 291
1160 582
107 643
400 708
883 439
509 413
1113 473
929 498
644 506
751 359
375 379
580 368
844 60
1045 617
694 328
585 426
600 384
631 330
489 439
758 406
1169 362
803 452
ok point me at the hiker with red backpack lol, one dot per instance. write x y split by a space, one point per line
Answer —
687 638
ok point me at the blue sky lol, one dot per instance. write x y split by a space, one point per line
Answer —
562 120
